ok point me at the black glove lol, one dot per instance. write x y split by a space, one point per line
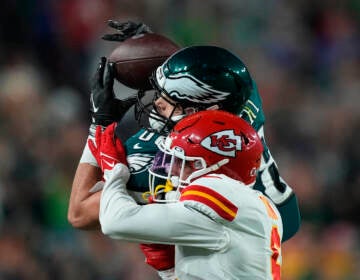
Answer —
104 107
125 30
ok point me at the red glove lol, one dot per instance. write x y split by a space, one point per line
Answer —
107 149
159 256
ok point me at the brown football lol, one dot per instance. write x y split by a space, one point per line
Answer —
136 58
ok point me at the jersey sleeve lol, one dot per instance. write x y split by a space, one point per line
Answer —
275 187
140 151
122 218
252 110
269 180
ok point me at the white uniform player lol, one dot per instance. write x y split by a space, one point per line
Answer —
222 228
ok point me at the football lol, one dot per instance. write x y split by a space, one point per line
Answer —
137 57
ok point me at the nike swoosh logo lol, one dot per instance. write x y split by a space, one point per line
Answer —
93 104
137 146
109 164
109 157
108 161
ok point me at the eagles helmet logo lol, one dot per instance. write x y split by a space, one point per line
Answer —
196 91
224 142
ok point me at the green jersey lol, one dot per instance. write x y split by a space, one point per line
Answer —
140 150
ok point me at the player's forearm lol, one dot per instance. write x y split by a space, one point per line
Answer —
117 208
274 186
83 211
290 214
122 218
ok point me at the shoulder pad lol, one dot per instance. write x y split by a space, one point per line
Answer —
252 110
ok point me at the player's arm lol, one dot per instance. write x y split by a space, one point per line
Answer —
83 211
122 218
273 185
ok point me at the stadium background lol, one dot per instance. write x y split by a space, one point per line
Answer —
304 56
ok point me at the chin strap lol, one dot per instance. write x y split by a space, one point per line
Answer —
166 188
151 197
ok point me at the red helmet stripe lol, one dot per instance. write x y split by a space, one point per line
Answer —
222 206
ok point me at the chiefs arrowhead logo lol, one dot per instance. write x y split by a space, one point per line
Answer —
224 142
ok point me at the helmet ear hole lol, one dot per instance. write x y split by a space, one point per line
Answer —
245 139
197 165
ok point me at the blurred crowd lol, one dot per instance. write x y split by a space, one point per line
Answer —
304 56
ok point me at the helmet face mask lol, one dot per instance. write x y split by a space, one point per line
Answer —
205 142
177 170
147 115
198 78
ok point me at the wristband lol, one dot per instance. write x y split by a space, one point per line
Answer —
87 156
92 130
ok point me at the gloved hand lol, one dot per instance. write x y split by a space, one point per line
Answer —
159 256
104 107
125 30
107 149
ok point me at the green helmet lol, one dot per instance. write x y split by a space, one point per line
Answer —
198 78
202 76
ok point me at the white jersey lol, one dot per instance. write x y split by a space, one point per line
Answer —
222 229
